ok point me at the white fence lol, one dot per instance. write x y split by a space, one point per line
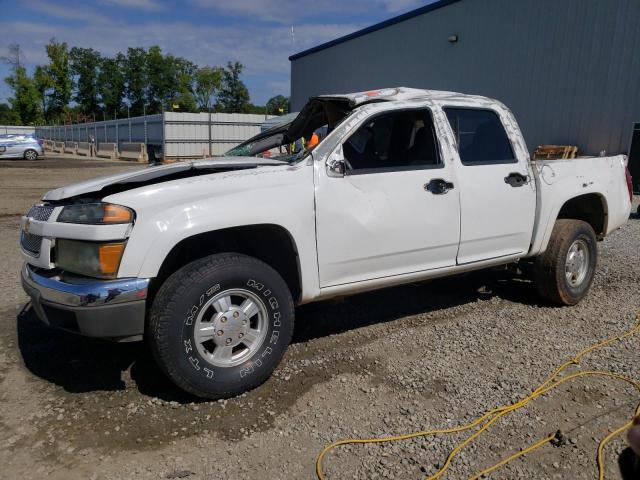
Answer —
16 129
173 135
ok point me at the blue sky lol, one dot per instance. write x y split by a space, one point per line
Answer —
208 32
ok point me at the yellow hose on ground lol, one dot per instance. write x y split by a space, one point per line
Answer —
495 414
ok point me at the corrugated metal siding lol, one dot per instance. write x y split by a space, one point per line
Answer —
106 131
570 70
16 129
182 134
186 134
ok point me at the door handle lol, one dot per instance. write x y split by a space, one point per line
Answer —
438 186
516 179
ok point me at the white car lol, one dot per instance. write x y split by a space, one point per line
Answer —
208 259
28 147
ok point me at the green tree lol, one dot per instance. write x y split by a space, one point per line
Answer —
257 109
25 100
43 83
233 96
140 78
23 108
111 83
170 82
8 116
85 64
278 105
182 75
135 79
208 84
60 73
14 56
158 84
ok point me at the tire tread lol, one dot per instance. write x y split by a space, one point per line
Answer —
163 312
547 277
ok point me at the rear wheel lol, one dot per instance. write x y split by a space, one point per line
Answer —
220 325
30 154
564 272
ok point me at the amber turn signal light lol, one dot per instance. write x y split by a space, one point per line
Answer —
116 214
109 256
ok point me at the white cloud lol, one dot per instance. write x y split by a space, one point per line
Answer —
395 6
151 5
293 11
263 50
261 39
77 12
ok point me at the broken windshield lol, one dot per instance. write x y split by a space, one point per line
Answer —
271 144
293 141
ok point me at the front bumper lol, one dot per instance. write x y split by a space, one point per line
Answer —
96 308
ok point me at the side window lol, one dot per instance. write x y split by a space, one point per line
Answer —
401 140
480 136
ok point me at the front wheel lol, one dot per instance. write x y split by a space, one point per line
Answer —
564 272
220 325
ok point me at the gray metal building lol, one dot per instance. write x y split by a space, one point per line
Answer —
569 69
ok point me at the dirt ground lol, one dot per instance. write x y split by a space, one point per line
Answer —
422 356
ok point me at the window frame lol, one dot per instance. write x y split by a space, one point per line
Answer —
407 168
457 145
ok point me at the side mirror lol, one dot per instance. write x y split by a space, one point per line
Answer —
336 166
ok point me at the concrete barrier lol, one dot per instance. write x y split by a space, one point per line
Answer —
85 148
107 150
133 151
58 147
70 147
48 144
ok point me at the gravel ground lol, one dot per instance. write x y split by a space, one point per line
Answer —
418 357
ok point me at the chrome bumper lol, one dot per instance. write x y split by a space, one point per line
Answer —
96 308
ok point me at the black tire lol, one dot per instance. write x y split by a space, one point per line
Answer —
184 296
30 154
549 273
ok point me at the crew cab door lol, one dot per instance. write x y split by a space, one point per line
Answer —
387 201
497 191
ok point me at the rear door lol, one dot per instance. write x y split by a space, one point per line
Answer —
497 194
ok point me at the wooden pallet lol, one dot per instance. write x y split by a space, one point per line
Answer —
552 152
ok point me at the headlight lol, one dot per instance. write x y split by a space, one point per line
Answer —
96 214
99 260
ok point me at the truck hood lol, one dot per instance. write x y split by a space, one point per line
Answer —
103 186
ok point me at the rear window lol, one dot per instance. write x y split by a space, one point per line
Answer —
480 136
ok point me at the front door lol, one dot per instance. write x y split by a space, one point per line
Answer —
396 210
497 195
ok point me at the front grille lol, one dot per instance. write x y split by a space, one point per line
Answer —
31 243
40 212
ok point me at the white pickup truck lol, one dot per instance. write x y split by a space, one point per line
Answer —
208 259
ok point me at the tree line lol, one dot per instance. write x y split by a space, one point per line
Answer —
81 84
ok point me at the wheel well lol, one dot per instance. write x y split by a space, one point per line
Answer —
589 208
270 243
